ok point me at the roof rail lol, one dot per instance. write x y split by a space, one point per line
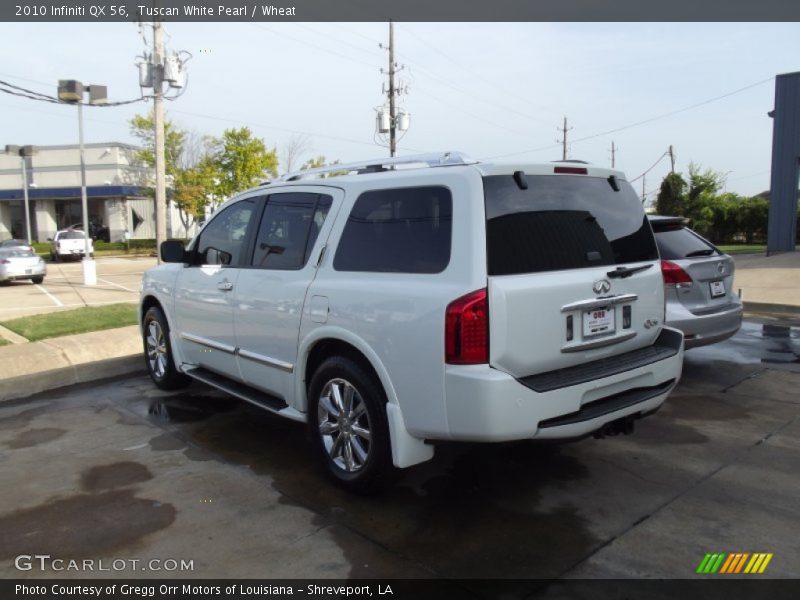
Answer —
435 159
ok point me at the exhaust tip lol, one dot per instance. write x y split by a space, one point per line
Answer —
622 426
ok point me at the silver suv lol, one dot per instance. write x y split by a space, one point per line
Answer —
393 307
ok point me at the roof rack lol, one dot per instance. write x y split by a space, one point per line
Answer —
436 159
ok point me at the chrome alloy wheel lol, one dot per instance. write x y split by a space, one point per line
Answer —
156 349
344 425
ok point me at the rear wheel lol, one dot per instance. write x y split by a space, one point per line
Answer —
350 433
38 279
158 352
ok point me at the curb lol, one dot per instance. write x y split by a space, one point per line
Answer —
63 361
27 385
768 308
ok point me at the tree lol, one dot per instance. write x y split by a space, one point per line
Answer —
190 169
320 161
142 128
672 196
242 161
293 149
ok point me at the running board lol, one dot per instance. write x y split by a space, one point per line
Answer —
240 390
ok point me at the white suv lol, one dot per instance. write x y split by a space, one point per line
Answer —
394 307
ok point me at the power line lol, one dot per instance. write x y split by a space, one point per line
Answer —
660 158
645 121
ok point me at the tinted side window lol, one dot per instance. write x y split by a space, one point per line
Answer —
221 242
288 230
563 222
398 231
676 242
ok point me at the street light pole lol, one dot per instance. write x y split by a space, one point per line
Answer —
25 193
72 91
22 152
89 267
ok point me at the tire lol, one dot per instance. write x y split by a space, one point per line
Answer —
38 279
355 451
158 352
57 257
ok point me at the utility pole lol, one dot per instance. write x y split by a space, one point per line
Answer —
158 134
393 124
613 154
644 195
563 141
391 120
672 159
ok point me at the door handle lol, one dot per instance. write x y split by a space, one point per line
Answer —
225 286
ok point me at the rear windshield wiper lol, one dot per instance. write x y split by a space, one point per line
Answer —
706 252
627 271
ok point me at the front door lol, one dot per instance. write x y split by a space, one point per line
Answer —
205 290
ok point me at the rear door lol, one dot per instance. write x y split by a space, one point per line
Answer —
271 290
573 271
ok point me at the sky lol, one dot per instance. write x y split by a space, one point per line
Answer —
491 90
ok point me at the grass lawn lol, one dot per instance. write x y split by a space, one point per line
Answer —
4 341
68 322
743 248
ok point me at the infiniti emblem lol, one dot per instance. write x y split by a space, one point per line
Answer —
603 286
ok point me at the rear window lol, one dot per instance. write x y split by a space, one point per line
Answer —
563 222
405 230
71 235
676 242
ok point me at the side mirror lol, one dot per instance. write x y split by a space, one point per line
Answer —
172 251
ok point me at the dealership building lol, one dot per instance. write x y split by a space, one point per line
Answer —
116 190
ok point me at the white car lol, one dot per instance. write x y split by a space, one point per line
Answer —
21 262
395 307
69 243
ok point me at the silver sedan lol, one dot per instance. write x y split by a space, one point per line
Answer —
698 282
18 263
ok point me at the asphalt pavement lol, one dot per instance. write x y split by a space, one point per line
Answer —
119 470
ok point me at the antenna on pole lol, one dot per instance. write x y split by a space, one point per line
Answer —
672 159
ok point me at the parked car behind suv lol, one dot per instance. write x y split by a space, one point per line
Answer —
391 308
69 243
698 278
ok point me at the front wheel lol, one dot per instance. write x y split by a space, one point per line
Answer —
158 352
38 279
349 429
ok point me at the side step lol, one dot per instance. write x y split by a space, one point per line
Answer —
240 390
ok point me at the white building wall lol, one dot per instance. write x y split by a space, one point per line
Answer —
5 221
46 219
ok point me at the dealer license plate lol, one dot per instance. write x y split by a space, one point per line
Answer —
598 322
717 288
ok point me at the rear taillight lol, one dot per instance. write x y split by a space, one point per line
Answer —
466 330
674 275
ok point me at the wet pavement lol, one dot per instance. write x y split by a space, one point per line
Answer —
120 470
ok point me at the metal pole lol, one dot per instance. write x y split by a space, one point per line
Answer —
392 120
27 206
89 271
158 124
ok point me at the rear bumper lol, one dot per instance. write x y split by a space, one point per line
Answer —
9 273
484 404
700 330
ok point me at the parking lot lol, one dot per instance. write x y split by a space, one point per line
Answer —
119 470
117 281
